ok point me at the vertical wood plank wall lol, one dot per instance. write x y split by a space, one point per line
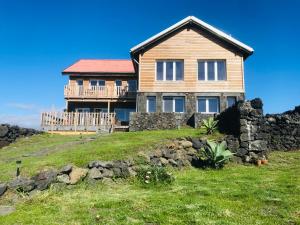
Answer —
190 46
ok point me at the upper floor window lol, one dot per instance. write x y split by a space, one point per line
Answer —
231 100
97 82
169 70
151 104
79 82
173 104
118 83
211 70
132 85
208 104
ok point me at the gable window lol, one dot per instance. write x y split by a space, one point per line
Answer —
169 70
231 100
151 104
212 70
208 104
174 104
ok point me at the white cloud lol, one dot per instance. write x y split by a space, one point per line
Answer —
28 121
22 106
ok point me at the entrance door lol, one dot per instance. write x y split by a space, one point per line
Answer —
122 114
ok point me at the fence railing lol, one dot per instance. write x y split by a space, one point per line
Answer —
75 121
73 91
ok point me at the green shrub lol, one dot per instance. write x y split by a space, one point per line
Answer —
210 125
154 175
215 155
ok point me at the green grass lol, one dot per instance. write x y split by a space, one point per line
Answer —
45 151
235 195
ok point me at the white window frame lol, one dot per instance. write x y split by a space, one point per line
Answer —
215 69
173 103
165 69
207 104
147 105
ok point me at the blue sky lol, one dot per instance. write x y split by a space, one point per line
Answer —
38 39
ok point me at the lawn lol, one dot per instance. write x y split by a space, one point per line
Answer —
235 195
45 151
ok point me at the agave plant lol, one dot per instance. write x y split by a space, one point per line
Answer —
210 125
217 154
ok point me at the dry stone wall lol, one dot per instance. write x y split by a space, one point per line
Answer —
9 134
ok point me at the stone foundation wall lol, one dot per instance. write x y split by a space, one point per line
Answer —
160 121
252 134
9 134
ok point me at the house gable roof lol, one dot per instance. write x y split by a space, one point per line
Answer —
193 20
95 66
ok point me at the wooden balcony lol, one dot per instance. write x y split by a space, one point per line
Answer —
74 121
98 92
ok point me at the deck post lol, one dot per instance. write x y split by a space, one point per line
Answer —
108 107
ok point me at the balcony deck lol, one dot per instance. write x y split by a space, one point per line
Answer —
98 92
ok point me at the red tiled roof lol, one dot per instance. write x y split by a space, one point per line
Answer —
101 66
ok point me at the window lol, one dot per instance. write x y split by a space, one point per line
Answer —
97 110
118 83
79 82
82 110
151 104
231 100
132 85
170 70
212 70
208 104
97 82
173 104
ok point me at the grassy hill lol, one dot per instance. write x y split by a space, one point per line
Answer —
237 194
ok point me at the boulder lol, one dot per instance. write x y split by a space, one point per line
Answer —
107 173
66 169
172 162
44 179
63 178
164 161
186 144
3 130
196 143
77 175
95 173
22 184
3 188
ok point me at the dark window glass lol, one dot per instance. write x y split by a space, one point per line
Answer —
132 85
93 83
221 70
201 70
151 103
118 83
159 71
179 70
79 82
168 104
231 100
210 70
101 82
169 70
213 105
179 104
202 105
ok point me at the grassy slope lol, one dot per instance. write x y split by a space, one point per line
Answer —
235 195
115 146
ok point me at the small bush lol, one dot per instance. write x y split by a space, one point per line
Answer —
210 125
215 155
154 175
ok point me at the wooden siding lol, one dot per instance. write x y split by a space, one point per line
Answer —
191 45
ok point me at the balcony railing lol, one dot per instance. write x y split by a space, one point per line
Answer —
77 91
75 121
